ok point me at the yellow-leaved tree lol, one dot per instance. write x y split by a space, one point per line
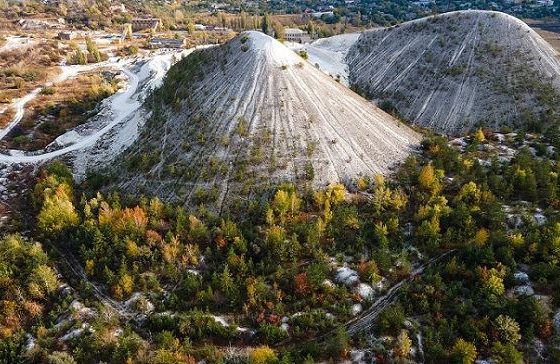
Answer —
262 355
57 213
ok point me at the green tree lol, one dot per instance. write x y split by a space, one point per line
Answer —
286 202
228 286
190 27
339 344
278 30
391 319
403 346
60 357
265 24
92 50
464 352
508 329
492 281
428 180
479 136
79 57
42 281
506 354
57 213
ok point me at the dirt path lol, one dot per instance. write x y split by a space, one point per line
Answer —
77 274
123 105
366 320
19 107
19 104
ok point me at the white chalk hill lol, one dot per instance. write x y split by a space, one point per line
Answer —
251 113
456 71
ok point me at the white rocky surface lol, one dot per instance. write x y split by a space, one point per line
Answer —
540 218
347 276
358 356
524 290
356 309
521 277
556 321
452 71
115 127
328 283
138 301
17 42
365 291
30 343
77 332
254 107
329 54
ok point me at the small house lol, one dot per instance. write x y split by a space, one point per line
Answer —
167 43
66 35
296 35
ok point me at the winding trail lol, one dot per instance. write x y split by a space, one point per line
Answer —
76 271
123 108
366 320
19 105
123 101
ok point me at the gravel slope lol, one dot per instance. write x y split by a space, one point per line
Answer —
458 70
329 54
253 114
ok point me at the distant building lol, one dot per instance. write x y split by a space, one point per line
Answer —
145 23
317 14
118 8
296 35
222 30
218 30
66 35
167 43
41 23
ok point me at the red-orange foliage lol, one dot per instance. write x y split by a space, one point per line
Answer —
133 218
301 283
546 330
153 237
34 309
220 242
260 317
